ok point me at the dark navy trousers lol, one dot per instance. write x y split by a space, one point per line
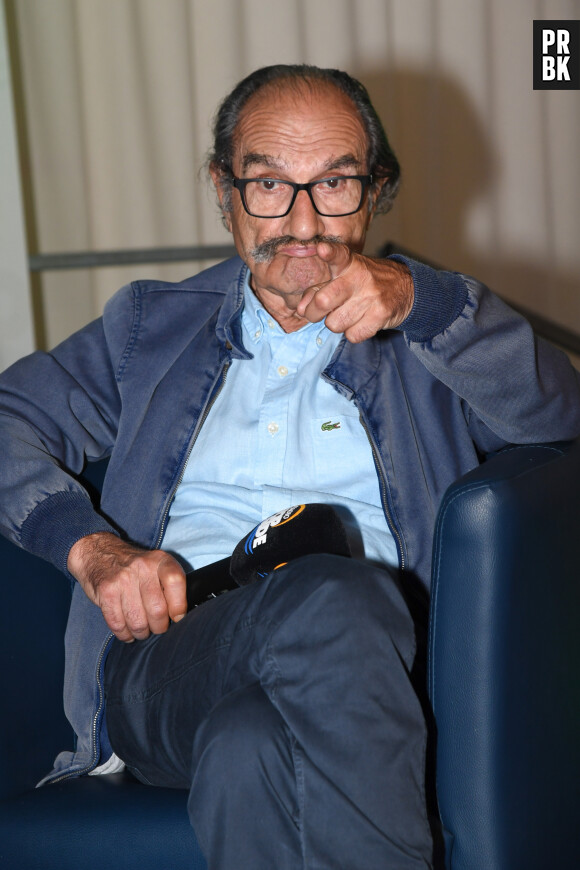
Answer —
287 709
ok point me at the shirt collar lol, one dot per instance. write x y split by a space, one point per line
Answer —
259 323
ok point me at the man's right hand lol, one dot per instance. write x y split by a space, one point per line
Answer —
138 590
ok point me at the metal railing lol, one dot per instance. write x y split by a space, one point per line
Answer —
97 259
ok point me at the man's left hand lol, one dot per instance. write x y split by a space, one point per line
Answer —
363 295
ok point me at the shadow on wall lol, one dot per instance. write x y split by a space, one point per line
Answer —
448 160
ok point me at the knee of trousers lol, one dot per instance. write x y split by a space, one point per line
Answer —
240 739
326 596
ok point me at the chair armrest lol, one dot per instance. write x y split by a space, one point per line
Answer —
504 661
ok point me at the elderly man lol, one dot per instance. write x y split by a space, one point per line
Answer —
302 372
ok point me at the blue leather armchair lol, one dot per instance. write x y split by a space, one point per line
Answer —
504 683
504 662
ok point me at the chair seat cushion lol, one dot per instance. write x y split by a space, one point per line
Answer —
96 822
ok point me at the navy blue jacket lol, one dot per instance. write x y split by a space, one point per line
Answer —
462 377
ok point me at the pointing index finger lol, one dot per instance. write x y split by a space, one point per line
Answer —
338 257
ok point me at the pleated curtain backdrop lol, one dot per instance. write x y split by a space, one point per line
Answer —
116 98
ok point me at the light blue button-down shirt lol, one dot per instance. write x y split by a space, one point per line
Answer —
277 435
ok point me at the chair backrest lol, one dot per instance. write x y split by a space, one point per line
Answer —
505 662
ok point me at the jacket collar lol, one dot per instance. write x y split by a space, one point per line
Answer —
354 367
229 322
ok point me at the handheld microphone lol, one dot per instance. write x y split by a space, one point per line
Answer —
297 531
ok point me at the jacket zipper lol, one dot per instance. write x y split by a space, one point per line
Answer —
87 769
382 475
223 374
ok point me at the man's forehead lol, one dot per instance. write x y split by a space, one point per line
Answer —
281 119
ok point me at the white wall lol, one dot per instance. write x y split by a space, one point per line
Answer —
119 96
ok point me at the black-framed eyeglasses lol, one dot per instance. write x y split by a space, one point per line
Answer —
335 196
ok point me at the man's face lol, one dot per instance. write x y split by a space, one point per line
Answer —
296 135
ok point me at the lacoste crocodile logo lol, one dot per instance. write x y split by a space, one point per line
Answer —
328 426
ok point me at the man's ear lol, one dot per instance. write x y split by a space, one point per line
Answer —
374 193
223 188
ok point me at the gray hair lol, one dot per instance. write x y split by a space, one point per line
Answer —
381 160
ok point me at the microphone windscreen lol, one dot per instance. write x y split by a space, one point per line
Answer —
297 531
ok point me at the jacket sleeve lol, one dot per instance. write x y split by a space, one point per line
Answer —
514 385
58 410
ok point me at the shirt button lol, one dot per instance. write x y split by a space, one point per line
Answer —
319 341
258 333
273 428
270 323
282 371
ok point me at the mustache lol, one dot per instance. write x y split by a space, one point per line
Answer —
266 251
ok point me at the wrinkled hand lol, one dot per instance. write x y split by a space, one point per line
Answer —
363 295
138 590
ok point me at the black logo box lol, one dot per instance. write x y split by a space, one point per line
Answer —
573 63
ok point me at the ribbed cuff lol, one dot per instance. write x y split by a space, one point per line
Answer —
57 523
440 298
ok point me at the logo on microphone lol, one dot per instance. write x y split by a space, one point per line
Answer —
259 535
